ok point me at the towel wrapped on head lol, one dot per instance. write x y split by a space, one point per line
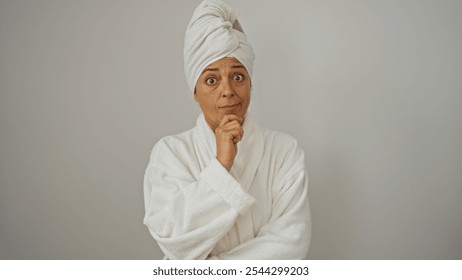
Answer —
212 34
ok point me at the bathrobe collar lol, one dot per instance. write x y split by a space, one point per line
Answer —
250 149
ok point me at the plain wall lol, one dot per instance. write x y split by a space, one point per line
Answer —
371 89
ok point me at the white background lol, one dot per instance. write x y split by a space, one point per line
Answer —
371 89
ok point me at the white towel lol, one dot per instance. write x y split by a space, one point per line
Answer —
214 33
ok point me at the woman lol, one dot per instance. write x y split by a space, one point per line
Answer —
228 188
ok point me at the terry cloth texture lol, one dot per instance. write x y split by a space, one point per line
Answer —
196 209
214 33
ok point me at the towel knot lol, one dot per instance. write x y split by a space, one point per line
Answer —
227 24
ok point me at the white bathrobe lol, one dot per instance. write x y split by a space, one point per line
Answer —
196 209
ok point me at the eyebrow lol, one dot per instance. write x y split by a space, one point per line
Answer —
216 69
209 69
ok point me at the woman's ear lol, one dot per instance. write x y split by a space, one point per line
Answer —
195 95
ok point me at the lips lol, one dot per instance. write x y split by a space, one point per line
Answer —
230 106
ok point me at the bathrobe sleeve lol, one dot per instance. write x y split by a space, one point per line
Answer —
287 234
186 214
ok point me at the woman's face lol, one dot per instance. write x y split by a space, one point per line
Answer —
223 88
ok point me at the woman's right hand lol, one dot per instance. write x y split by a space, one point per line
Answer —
227 135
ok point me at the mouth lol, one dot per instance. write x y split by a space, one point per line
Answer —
230 106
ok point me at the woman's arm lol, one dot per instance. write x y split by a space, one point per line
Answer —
287 235
188 216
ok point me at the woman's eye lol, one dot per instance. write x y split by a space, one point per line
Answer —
238 77
211 81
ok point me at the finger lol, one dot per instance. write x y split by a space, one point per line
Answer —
234 134
231 125
225 134
234 125
231 133
230 117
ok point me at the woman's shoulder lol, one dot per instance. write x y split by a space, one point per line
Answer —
285 153
280 141
176 141
173 146
172 151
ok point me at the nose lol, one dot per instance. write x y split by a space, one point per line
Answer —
227 90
